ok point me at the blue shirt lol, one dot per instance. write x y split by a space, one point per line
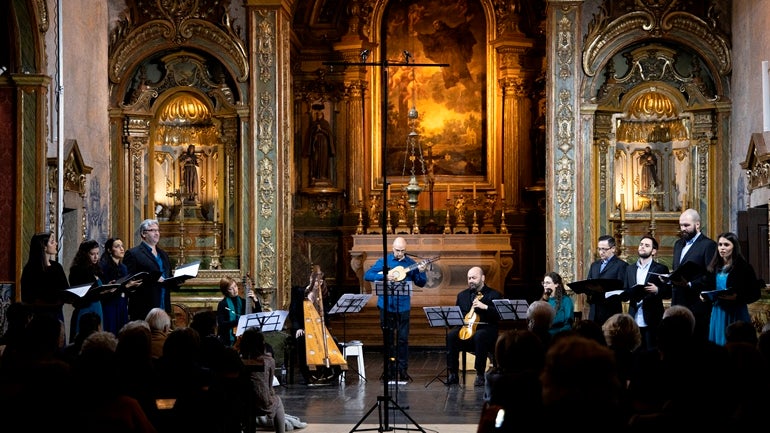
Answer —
396 303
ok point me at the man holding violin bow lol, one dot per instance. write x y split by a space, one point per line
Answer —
479 334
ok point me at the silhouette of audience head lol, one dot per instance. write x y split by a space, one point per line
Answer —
622 333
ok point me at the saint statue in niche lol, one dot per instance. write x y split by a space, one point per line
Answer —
649 164
319 149
189 163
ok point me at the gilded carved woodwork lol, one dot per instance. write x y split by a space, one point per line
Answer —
757 161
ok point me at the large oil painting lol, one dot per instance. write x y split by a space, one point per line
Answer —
449 100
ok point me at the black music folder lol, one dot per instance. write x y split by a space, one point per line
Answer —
714 295
687 271
596 286
92 292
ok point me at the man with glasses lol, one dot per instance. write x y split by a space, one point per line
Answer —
148 257
395 315
608 266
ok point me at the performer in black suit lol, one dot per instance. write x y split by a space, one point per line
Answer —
608 266
646 306
148 257
693 246
482 334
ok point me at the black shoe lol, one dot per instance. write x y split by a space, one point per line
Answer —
452 379
404 376
479 380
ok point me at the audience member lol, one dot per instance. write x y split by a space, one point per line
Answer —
579 378
102 405
731 274
137 373
623 337
540 316
556 295
89 323
607 266
160 325
43 281
212 348
645 291
480 334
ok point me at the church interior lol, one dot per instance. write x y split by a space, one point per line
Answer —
270 136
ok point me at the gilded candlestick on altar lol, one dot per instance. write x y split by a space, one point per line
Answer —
502 192
360 194
474 190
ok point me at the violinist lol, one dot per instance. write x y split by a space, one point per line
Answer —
479 333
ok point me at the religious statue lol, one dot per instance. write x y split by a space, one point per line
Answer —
319 149
649 163
189 163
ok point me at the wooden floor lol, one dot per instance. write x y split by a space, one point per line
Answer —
358 405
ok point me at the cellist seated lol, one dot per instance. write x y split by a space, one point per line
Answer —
479 333
319 358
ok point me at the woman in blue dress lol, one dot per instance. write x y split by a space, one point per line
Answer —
731 273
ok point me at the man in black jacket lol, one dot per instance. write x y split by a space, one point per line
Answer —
607 266
693 246
148 257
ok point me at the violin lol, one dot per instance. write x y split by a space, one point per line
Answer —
471 321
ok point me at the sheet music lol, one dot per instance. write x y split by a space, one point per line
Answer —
80 291
267 321
190 269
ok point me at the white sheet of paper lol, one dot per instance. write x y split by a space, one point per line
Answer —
189 269
80 290
612 293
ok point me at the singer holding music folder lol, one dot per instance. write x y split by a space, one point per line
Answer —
395 316
149 257
479 333
607 266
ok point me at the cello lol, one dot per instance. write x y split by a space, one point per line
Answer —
321 352
471 321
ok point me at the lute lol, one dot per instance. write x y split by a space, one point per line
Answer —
399 272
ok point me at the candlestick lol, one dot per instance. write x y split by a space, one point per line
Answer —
622 207
474 190
447 190
216 210
360 194
502 192
388 192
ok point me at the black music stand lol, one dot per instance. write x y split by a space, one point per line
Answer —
511 309
446 317
395 288
349 303
266 321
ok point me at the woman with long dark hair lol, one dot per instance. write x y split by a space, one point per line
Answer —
85 270
556 295
43 280
729 272
114 305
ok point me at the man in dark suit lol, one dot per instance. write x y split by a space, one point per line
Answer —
148 257
608 266
693 246
476 299
646 305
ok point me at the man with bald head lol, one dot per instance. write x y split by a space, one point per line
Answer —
693 246
478 299
395 317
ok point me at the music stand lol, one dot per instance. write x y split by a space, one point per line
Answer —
511 309
266 321
446 317
349 303
395 288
